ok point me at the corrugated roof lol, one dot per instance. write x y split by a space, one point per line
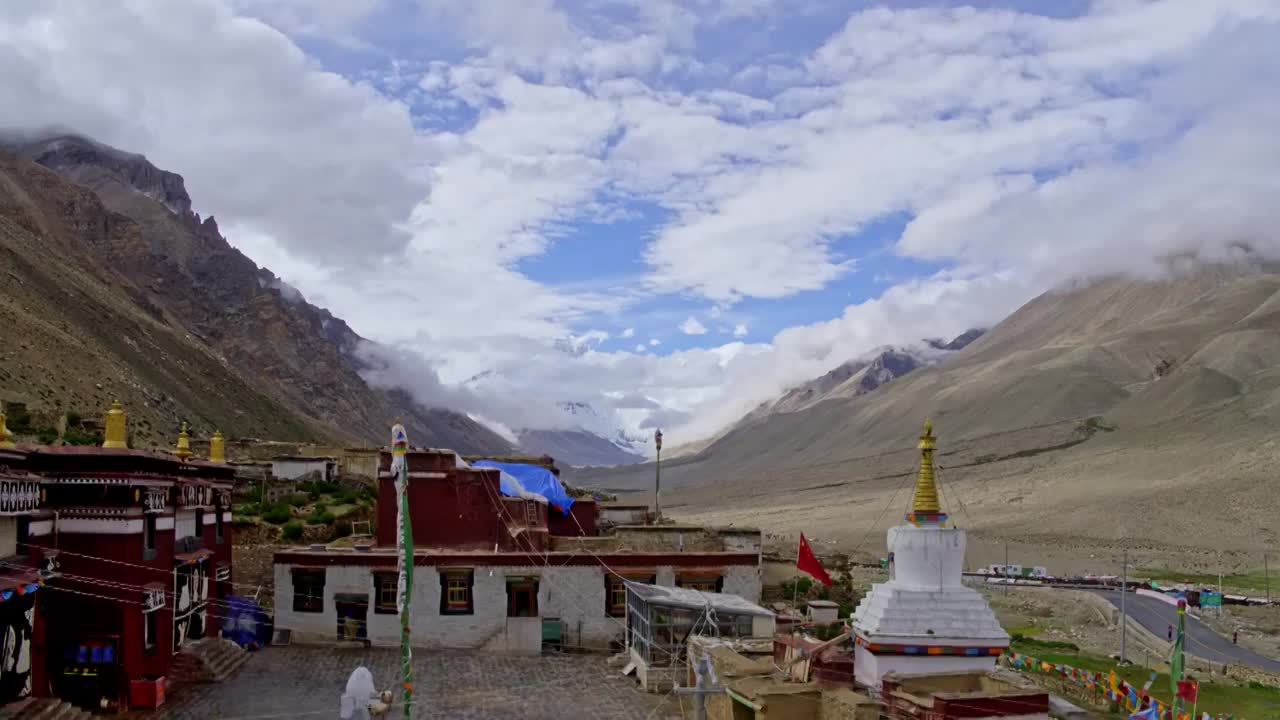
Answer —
696 599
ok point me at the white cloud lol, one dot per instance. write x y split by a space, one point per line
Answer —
691 326
1024 150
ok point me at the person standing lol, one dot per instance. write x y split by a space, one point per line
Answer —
1235 635
1169 632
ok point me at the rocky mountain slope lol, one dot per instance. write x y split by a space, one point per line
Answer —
851 379
118 289
1122 411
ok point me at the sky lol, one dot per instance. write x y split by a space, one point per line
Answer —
671 210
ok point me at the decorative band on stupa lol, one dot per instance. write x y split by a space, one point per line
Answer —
925 508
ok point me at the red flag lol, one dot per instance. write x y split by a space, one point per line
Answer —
808 562
1188 689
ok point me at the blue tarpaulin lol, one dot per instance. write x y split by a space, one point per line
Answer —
535 479
246 623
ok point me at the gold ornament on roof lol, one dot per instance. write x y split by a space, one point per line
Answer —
114 424
183 451
217 448
925 499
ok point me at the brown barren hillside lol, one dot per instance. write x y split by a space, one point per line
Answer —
117 289
1121 413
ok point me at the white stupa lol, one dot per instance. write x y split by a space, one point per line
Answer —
924 620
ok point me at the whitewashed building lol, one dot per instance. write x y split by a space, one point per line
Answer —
491 573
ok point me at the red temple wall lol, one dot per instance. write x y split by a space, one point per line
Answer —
454 511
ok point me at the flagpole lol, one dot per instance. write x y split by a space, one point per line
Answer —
404 542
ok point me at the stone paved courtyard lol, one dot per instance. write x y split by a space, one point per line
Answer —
296 682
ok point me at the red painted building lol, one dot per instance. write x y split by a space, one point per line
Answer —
136 546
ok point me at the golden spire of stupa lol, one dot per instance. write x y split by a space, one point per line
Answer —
217 448
114 432
183 451
924 503
6 438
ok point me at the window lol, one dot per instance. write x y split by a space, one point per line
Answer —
703 583
150 627
385 590
455 592
522 597
149 537
199 521
217 526
308 591
23 534
615 595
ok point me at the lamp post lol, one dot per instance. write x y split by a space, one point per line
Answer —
657 477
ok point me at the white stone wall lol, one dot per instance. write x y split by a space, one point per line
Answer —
291 469
576 594
743 581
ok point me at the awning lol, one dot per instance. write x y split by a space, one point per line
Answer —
19 582
192 557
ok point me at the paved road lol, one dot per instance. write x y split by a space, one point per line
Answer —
297 683
1201 640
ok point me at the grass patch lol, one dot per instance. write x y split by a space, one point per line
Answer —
1247 702
1238 581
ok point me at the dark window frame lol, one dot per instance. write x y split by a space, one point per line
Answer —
149 533
522 588
613 583
466 583
379 580
310 601
150 629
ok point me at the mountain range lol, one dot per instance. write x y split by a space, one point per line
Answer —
115 289
1119 412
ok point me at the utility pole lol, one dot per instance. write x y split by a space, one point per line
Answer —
1266 572
1006 567
1124 616
657 478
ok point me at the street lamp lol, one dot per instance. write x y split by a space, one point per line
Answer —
657 477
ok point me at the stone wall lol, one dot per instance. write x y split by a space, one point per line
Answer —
573 593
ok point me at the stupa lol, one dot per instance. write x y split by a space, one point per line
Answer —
924 620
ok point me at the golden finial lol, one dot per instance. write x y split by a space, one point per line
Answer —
5 435
925 500
114 433
183 451
217 448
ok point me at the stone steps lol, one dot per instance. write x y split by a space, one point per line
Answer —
43 709
206 661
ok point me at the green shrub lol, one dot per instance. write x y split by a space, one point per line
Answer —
47 436
297 499
76 437
276 514
320 518
796 587
342 529
73 418
242 523
247 509
292 530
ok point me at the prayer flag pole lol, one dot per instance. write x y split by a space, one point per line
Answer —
404 548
